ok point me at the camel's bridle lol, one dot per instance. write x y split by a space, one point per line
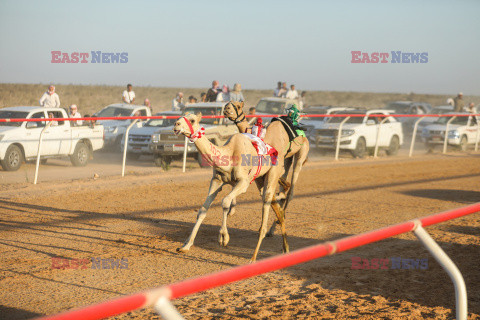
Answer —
237 120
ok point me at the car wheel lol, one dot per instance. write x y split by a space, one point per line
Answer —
13 158
162 162
430 147
394 146
80 156
463 143
361 148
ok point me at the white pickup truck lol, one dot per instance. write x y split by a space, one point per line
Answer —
19 140
359 134
115 129
462 131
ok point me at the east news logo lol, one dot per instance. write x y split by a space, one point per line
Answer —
385 57
94 56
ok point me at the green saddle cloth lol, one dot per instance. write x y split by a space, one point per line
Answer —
300 132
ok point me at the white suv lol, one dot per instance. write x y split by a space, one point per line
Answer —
359 134
462 131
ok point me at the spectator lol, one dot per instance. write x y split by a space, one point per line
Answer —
52 123
75 114
203 97
301 101
224 95
212 92
191 100
292 93
459 103
471 108
177 103
147 103
277 90
236 94
128 95
252 111
283 90
50 99
450 102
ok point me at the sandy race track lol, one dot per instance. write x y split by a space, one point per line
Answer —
143 219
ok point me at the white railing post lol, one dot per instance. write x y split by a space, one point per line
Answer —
185 154
445 141
167 310
339 136
126 144
38 151
414 135
478 132
452 270
378 136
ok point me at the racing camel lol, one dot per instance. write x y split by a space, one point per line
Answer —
230 168
297 150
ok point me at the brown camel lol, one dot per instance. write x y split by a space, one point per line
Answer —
230 168
297 150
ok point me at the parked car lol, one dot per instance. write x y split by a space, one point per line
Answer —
139 139
311 124
359 134
19 140
429 120
166 146
462 131
115 129
272 105
408 107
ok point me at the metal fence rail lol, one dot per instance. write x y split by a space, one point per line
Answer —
160 297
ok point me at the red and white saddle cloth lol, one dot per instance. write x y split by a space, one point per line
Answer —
263 150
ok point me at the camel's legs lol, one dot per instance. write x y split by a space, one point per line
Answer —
231 212
300 159
227 203
215 187
284 185
268 194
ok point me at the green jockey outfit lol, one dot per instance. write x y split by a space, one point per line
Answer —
294 114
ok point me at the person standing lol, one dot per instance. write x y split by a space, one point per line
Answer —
283 90
212 92
75 114
147 103
128 95
50 99
301 101
471 108
292 93
236 94
224 95
459 104
177 103
277 90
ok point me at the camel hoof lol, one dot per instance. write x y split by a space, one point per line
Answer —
223 240
231 212
182 250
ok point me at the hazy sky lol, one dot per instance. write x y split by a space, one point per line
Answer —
255 43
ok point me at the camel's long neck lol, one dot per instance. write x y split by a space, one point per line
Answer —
242 125
211 152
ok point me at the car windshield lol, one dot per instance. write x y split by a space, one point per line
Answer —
160 122
351 120
315 111
114 112
398 108
6 114
270 107
206 111
458 120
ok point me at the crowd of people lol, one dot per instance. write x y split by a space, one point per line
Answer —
217 93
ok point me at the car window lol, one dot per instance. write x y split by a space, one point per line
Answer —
8 114
38 115
58 114
206 111
270 107
143 112
114 112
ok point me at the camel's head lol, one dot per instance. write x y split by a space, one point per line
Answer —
233 110
188 124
